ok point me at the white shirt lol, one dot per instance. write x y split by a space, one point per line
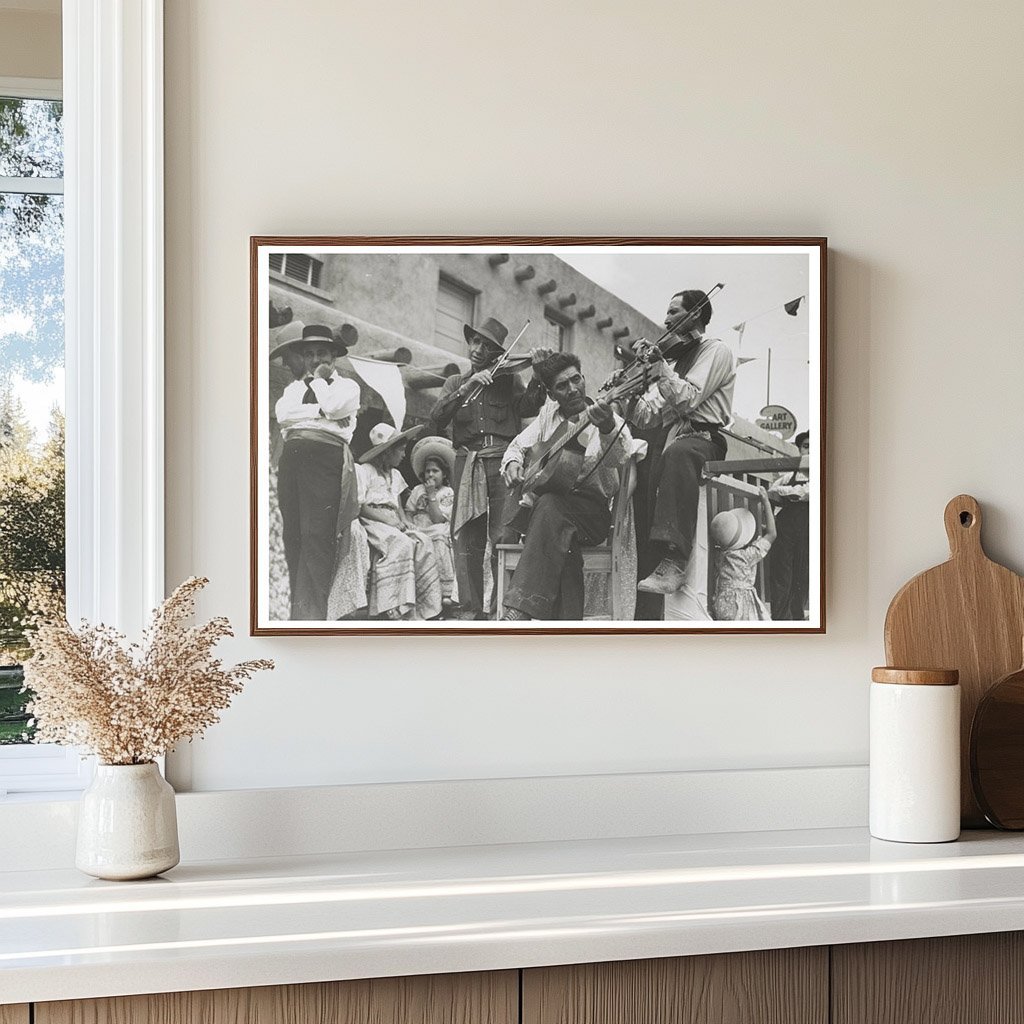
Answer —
619 445
790 485
704 394
334 412
375 487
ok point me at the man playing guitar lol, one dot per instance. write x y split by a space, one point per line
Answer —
548 581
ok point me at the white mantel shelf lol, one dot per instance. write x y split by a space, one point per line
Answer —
225 924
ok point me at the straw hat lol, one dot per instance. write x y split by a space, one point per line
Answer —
384 436
284 337
432 447
733 529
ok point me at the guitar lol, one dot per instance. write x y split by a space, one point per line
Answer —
554 465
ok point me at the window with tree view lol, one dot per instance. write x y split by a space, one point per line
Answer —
31 386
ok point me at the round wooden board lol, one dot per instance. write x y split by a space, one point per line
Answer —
997 752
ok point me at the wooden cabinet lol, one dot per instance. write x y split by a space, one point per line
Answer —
963 979
778 986
491 998
971 979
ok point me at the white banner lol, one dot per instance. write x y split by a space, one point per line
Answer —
386 380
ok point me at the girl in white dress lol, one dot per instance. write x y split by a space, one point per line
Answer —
404 581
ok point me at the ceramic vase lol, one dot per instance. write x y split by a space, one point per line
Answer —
127 825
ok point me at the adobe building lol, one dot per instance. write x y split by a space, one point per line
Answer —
409 309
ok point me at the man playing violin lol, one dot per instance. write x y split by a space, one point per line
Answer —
692 398
484 411
548 581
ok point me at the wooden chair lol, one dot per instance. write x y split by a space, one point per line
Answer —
611 559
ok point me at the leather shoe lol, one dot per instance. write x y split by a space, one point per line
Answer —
666 579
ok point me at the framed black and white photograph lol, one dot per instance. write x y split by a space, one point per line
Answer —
537 435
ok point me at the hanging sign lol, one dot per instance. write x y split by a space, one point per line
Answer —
777 419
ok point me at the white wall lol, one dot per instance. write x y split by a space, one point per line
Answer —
894 129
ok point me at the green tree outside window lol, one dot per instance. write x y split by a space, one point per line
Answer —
31 361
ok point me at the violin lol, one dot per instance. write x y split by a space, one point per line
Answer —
498 367
516 365
645 353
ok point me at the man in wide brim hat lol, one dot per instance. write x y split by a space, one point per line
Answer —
384 436
316 485
483 412
434 447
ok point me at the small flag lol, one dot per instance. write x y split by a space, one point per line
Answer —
792 306
746 359
740 328
386 380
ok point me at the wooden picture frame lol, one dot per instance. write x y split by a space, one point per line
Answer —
394 318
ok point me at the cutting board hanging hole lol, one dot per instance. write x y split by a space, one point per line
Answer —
963 526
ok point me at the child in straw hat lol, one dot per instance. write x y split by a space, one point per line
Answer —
430 504
404 581
733 534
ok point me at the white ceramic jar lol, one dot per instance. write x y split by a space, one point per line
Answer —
915 755
127 823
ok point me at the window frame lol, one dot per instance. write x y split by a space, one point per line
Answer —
564 324
453 284
114 336
314 268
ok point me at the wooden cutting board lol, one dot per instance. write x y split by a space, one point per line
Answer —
967 614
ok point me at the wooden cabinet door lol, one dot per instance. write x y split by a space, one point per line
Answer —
483 998
14 1014
962 979
778 986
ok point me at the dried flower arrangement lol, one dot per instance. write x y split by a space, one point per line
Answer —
130 703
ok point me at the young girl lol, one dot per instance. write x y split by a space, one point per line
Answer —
404 581
732 532
429 506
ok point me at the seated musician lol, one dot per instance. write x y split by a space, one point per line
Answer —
691 396
548 582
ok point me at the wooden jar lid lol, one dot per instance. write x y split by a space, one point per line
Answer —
917 676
